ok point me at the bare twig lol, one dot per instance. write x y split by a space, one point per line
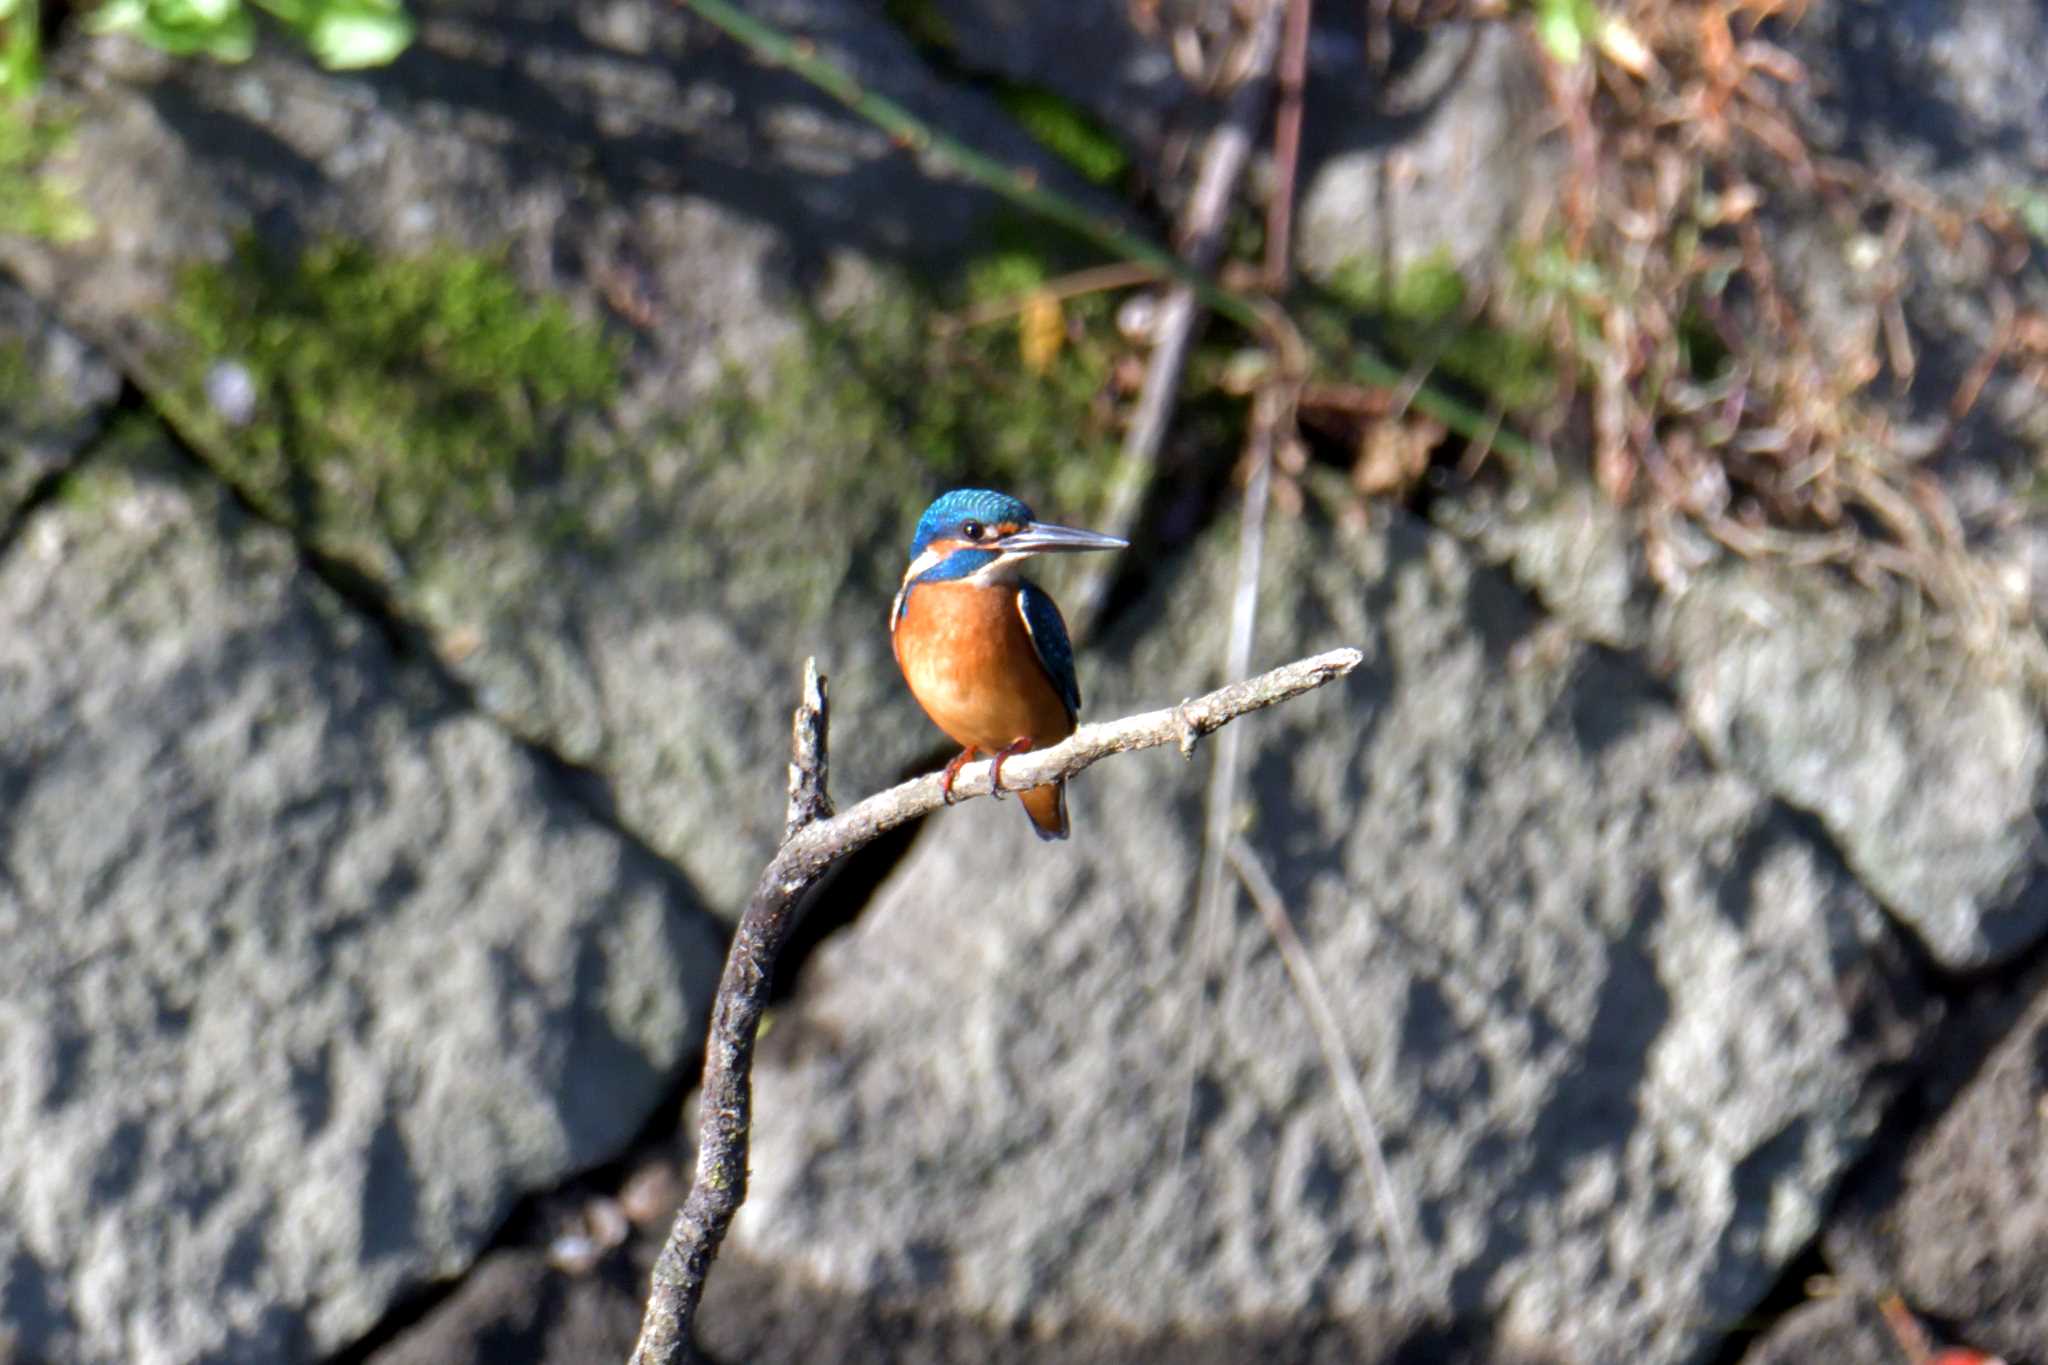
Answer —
1394 1225
809 760
1200 237
2004 328
1287 146
720 1183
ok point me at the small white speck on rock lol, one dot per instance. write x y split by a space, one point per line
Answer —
231 392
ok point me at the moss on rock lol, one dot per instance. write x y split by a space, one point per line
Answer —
833 446
1424 314
361 398
34 202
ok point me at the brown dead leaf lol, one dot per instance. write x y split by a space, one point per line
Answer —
1393 456
1041 331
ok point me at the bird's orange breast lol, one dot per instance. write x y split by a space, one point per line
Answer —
970 663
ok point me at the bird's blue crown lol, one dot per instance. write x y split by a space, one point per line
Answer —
984 505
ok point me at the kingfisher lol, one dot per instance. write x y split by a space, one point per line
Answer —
984 649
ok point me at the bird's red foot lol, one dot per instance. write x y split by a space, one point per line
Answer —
1014 747
952 771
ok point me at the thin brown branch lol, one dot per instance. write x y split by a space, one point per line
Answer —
1200 241
2004 329
720 1184
1287 146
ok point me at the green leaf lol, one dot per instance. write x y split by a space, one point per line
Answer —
349 37
1064 129
1557 25
34 203
116 16
341 34
2031 207
21 52
220 29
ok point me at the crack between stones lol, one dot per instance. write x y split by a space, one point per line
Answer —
666 1135
40 494
587 789
1957 1045
836 904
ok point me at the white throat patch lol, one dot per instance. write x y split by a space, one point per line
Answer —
1002 569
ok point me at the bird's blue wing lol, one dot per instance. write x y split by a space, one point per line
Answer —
1049 637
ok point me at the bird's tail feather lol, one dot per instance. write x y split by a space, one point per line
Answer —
1047 807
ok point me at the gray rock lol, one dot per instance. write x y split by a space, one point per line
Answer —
1572 548
309 973
1437 159
515 1308
1942 93
1923 757
1622 1021
1920 750
766 1315
1958 1224
622 150
57 391
1442 163
1088 52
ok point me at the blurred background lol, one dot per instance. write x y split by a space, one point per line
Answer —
435 437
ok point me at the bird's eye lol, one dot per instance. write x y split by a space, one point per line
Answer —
972 530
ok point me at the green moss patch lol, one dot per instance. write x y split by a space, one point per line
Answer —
20 389
1067 131
414 417
366 400
33 203
1424 315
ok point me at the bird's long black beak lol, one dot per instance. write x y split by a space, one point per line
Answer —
1038 537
